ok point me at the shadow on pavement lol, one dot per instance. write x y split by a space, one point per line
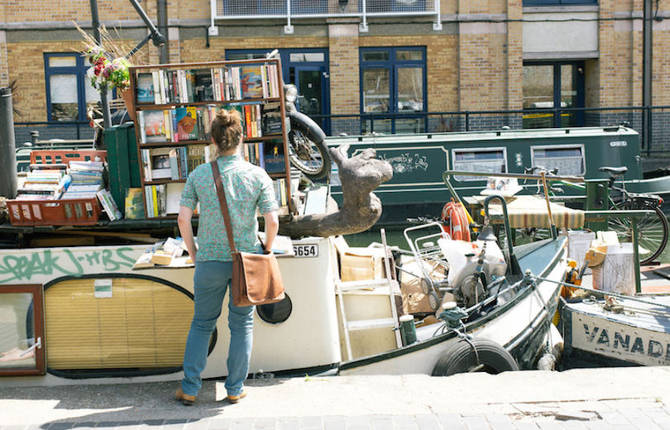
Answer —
120 405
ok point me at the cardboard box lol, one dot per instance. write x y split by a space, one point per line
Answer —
361 264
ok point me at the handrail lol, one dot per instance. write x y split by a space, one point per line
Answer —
514 175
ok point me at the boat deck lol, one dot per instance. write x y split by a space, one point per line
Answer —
654 279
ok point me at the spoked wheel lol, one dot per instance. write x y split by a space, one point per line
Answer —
307 148
652 232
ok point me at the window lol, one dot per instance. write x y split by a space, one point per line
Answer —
273 7
21 330
393 6
393 81
307 69
569 160
68 90
557 2
486 160
553 84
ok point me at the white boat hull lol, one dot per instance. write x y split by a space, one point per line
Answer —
309 341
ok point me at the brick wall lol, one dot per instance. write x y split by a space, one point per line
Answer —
4 68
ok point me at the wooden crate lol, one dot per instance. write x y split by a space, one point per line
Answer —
50 156
54 212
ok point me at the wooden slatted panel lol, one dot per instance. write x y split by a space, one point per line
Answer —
144 324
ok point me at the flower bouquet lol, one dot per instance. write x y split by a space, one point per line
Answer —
109 66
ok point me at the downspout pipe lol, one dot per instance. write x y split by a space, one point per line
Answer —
647 39
163 53
7 145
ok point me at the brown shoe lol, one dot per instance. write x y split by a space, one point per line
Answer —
235 399
184 398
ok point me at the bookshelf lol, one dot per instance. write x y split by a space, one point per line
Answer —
174 105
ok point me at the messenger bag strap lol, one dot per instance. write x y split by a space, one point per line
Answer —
223 203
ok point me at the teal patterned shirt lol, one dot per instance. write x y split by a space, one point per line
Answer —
247 188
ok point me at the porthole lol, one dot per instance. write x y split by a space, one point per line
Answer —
275 313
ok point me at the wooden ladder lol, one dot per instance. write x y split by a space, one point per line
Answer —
342 288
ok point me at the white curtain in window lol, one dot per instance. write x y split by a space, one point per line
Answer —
63 88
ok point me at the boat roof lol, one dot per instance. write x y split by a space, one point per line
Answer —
543 133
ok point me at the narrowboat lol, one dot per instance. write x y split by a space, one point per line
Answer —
419 160
81 315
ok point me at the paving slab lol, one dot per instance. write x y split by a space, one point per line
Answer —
609 398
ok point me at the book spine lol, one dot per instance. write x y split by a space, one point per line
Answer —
154 200
247 120
143 132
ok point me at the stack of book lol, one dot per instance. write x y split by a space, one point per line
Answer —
86 179
41 184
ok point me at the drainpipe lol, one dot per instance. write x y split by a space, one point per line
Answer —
7 146
95 22
163 57
646 75
437 25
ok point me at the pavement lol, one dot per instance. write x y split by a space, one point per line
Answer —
603 398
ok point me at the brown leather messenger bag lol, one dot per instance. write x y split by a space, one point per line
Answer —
256 277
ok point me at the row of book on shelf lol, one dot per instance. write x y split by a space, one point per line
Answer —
225 83
163 199
176 162
194 122
75 180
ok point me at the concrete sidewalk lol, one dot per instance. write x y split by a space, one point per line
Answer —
606 398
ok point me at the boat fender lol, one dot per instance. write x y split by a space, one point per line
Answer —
467 355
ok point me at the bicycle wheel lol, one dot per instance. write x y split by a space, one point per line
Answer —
652 232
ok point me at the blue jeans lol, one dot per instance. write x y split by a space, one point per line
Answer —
210 282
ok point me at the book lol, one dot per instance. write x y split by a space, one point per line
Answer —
274 157
160 164
202 86
251 81
186 123
173 197
271 122
108 204
145 88
152 126
134 204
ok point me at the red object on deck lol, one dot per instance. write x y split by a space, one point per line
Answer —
455 221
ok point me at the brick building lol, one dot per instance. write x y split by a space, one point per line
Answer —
391 61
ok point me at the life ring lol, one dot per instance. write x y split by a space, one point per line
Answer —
455 221
461 358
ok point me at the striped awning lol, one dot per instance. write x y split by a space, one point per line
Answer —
531 211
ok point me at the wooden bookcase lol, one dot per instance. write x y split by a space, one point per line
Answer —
172 127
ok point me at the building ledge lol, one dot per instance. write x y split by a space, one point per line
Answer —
560 9
561 55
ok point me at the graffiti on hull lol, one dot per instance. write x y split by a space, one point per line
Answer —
38 265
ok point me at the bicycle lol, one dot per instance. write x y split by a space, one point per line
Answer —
652 228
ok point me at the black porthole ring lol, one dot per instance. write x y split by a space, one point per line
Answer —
276 313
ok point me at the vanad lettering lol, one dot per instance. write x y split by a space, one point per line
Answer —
622 342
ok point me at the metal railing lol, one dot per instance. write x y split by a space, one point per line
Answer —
297 9
655 140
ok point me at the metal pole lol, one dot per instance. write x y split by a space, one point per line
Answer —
636 256
7 146
646 75
163 57
95 22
